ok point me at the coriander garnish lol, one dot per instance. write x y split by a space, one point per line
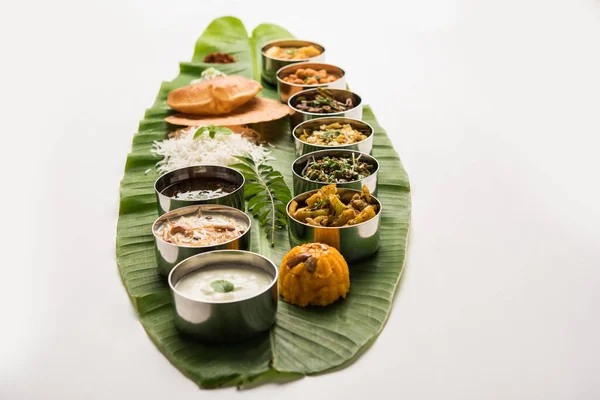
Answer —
222 286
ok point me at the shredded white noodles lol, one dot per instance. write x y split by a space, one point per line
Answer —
186 151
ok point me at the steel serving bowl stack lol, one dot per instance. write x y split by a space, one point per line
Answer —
287 89
270 65
234 199
169 254
354 242
365 146
302 184
230 321
299 116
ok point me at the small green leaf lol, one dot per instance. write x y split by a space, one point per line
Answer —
223 130
199 132
222 286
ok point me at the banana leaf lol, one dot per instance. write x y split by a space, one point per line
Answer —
303 341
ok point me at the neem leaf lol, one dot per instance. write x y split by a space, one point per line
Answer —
222 286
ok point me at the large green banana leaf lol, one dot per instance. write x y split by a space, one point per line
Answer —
303 340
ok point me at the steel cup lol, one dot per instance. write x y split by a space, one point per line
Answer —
302 184
365 146
270 65
234 199
354 242
298 116
168 255
230 321
287 89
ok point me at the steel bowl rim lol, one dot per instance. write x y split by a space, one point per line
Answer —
340 147
300 66
200 206
270 287
287 208
360 103
262 50
201 165
335 183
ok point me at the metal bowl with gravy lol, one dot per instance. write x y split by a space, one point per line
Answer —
354 242
201 184
303 147
287 89
303 184
170 253
297 116
271 64
224 321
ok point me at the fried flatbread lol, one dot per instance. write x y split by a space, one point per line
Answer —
217 96
257 110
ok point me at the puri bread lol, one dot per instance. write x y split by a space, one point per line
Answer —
216 96
255 111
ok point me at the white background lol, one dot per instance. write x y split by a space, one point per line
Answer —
494 107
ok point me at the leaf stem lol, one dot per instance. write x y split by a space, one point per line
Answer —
264 184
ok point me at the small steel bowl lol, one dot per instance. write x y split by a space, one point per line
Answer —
299 116
271 65
234 199
354 242
224 322
168 254
366 146
302 184
287 90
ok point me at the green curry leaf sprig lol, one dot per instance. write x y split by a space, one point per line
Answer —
267 194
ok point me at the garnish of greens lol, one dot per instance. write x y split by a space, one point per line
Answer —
208 73
267 194
212 131
322 101
222 286
336 169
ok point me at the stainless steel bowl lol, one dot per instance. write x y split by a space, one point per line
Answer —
230 321
271 65
234 199
299 116
302 184
287 90
354 242
168 254
366 146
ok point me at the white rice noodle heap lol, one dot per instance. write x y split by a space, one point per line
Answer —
186 151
